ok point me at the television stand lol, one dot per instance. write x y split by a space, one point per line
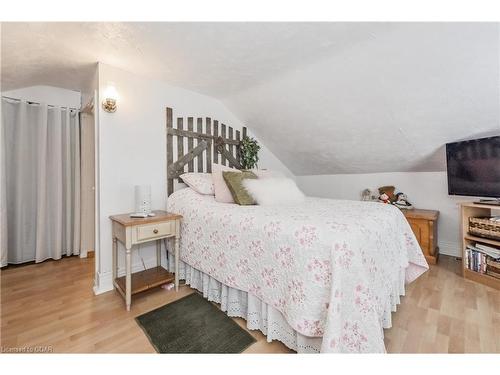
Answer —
468 210
491 202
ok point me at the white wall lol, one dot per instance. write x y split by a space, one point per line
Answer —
48 95
132 150
426 190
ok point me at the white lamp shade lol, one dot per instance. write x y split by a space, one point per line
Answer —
110 92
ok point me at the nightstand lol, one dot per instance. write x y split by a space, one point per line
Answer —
424 226
134 231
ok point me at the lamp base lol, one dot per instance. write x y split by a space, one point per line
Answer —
109 105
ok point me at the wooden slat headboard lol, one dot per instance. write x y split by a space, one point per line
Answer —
203 146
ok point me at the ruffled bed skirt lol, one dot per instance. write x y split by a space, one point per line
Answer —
238 303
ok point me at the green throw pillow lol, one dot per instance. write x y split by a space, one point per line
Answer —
234 181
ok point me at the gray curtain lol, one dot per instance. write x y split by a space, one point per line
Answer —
41 188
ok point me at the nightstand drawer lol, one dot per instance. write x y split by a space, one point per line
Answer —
145 232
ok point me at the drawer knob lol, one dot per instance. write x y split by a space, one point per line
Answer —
155 231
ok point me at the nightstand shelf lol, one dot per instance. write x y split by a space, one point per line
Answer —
146 279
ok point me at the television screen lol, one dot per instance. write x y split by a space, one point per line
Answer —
474 167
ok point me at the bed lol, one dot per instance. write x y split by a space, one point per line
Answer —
320 276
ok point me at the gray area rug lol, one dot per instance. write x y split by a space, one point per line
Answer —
193 325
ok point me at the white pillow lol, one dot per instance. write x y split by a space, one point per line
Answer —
200 182
222 192
274 191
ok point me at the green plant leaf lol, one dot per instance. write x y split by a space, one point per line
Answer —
249 149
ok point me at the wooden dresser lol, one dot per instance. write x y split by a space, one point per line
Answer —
424 225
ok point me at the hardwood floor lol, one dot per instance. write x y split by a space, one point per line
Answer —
52 304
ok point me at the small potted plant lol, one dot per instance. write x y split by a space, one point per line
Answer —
249 152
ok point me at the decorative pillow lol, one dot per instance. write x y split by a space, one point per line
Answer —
234 182
222 192
274 191
200 182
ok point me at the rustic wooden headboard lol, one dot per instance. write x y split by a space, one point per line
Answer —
204 145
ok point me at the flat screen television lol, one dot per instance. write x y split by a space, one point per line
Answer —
474 167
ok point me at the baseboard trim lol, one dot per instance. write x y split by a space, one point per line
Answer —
103 282
450 248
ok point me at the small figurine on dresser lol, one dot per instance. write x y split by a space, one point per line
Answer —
387 195
366 195
402 201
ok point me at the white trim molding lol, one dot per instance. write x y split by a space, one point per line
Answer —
103 282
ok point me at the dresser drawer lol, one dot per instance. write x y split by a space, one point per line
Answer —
146 232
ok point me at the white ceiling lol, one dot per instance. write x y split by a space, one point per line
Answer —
216 59
324 97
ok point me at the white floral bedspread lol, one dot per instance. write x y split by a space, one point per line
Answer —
333 268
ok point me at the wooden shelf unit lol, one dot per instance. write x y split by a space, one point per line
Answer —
470 209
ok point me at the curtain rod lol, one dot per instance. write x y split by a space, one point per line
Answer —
29 102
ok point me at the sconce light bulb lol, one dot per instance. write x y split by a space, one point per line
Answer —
111 93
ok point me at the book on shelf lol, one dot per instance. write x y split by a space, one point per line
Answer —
493 263
487 250
483 259
493 273
493 268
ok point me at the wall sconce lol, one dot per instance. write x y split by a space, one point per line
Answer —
110 97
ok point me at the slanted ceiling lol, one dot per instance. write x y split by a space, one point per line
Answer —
324 97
